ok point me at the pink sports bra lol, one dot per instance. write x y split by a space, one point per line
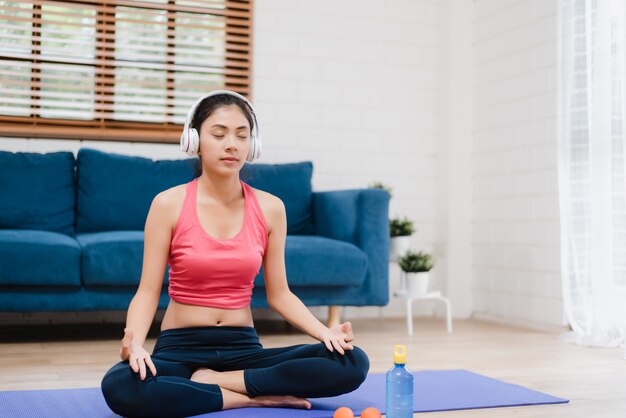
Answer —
211 272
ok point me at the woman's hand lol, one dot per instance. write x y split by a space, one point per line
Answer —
338 337
136 355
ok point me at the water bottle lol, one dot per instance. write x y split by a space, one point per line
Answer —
399 386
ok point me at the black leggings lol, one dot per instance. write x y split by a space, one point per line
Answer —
307 371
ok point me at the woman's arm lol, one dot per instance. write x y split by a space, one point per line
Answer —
157 238
281 299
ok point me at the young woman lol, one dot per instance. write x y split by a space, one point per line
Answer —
215 232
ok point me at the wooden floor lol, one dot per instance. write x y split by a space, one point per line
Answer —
593 379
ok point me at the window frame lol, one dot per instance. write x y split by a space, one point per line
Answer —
237 71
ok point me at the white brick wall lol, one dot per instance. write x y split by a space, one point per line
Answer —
515 228
352 86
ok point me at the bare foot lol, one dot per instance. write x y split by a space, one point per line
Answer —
204 376
282 401
231 380
222 379
238 400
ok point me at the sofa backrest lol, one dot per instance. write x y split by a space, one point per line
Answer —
115 191
292 184
37 191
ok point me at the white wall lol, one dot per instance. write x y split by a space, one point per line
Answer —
454 246
351 85
515 239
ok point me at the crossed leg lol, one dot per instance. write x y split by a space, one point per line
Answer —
240 378
171 393
308 370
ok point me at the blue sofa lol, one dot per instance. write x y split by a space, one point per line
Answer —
71 231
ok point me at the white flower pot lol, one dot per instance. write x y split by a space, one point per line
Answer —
398 246
417 283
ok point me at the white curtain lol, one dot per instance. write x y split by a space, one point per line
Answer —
591 100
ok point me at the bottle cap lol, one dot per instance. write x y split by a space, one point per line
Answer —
399 354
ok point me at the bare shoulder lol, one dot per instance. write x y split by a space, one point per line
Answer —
273 208
168 204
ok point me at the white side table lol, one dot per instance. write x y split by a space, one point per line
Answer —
435 295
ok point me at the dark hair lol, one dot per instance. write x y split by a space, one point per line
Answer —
210 105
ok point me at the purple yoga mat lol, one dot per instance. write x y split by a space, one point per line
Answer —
444 390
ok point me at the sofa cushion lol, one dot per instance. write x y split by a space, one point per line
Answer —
292 184
37 191
38 258
115 191
318 261
111 258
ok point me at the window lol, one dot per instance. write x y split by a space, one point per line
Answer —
120 69
592 169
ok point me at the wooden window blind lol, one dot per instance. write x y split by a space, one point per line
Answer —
125 70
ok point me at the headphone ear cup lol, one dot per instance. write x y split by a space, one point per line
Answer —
189 142
194 142
255 148
184 142
251 153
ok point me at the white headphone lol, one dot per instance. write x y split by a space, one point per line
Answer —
190 139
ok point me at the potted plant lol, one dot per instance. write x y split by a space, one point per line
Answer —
382 186
417 266
400 231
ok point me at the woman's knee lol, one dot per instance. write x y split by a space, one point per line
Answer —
360 365
119 389
354 367
354 370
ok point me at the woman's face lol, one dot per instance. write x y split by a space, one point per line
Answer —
224 140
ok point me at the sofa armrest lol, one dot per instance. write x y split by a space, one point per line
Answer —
360 217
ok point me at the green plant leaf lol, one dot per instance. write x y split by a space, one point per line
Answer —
399 227
416 262
382 186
